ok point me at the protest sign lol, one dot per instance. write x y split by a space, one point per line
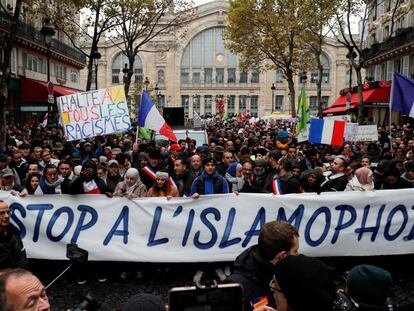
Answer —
367 133
355 132
212 228
94 113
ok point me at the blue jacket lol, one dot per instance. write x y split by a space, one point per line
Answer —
205 184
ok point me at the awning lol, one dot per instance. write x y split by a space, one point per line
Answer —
376 95
339 109
33 91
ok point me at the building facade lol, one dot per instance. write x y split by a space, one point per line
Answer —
28 93
389 41
201 71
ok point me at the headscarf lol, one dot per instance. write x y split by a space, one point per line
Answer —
132 173
362 174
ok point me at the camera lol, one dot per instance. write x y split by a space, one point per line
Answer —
343 302
89 303
76 254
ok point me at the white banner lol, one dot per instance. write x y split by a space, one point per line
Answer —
355 132
213 228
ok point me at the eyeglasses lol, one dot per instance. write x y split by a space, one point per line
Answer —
8 212
274 286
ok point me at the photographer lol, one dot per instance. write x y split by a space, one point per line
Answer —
252 268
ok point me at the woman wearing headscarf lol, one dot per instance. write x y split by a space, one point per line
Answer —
132 186
234 177
362 180
88 181
311 181
162 188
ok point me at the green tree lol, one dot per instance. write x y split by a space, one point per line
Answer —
140 21
269 34
323 12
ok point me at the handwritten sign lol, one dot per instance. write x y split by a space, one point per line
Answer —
213 227
355 132
94 113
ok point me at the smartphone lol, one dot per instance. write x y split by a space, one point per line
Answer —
76 254
224 297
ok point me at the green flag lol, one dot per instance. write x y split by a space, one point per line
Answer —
145 133
303 112
225 117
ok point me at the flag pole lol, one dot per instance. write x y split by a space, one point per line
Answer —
137 134
389 115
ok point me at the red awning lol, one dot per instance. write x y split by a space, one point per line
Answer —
33 91
377 95
338 109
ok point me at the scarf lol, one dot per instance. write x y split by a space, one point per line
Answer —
45 187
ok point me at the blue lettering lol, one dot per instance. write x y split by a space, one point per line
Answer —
98 126
260 220
410 236
296 216
85 134
127 121
84 209
341 225
53 220
399 208
210 226
68 130
225 242
18 207
41 208
374 229
123 216
188 227
308 239
154 228
178 211
78 131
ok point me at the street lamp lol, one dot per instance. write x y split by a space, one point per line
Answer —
125 72
96 56
47 31
273 88
351 56
146 82
157 94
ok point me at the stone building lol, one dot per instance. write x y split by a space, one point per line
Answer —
200 71
28 92
389 46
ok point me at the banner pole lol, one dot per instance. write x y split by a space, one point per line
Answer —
389 115
137 134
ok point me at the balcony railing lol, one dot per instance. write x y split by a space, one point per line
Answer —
403 38
30 33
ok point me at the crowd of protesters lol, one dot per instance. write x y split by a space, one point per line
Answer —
240 157
260 157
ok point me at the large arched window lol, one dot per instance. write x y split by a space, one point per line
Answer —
119 63
326 72
205 60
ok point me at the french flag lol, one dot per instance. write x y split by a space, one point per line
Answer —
150 118
329 132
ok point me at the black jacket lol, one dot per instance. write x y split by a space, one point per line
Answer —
112 181
12 253
254 273
336 182
184 184
76 187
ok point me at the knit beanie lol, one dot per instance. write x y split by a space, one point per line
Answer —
369 284
144 302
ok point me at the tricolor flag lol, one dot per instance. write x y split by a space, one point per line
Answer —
149 117
44 123
329 132
402 97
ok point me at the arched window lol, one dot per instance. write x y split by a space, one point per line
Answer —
206 60
326 72
119 63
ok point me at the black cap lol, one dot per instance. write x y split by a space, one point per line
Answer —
209 160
